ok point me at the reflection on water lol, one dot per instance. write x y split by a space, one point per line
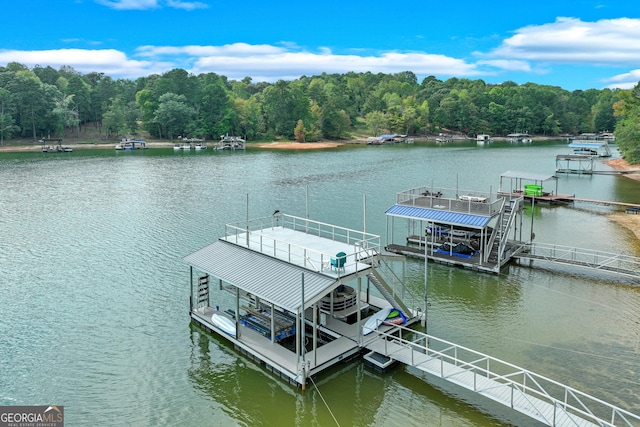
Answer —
96 296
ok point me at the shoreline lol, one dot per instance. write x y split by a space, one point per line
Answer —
630 222
36 147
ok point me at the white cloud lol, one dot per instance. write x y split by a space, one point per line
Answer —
109 61
151 4
235 49
239 60
129 4
625 80
186 5
270 63
572 41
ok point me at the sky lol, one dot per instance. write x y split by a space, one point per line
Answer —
573 44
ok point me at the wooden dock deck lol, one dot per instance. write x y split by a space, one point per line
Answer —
550 198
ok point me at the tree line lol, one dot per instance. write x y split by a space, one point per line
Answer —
43 101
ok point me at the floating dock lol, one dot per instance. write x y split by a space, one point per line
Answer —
533 186
293 294
471 229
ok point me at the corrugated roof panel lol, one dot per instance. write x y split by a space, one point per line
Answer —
439 215
268 278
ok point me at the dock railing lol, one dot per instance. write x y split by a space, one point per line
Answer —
452 199
256 234
540 397
606 261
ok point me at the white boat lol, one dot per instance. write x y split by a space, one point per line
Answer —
186 146
223 323
200 146
177 147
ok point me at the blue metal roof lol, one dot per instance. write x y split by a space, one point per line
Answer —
439 216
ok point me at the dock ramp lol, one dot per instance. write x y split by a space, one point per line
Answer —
625 265
538 397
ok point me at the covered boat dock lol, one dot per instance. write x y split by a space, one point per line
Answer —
293 294
471 229
532 186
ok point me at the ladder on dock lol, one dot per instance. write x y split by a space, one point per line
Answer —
598 260
387 292
538 397
498 239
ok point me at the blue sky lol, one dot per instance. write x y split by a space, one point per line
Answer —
574 44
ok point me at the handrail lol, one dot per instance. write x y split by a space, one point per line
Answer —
320 229
254 234
452 199
600 260
531 385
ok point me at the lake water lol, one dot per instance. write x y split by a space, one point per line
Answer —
95 297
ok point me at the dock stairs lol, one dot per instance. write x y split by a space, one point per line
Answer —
500 235
387 292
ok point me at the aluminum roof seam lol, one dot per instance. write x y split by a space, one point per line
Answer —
440 216
268 278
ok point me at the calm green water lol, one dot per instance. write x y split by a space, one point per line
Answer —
95 296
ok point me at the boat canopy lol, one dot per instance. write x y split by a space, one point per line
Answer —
528 176
584 144
439 215
270 279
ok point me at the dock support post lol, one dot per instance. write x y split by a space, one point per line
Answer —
426 282
237 317
191 288
303 337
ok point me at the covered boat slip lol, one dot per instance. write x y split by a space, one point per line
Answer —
459 227
591 148
532 186
296 287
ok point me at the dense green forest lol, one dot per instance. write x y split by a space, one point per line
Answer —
44 102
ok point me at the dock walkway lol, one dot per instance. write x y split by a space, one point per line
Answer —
538 397
626 265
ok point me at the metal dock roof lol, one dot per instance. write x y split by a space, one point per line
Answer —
529 176
440 216
268 278
587 144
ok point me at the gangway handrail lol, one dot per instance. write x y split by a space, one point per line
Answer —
573 402
599 260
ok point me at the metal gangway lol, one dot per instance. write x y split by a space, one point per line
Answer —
598 260
536 396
